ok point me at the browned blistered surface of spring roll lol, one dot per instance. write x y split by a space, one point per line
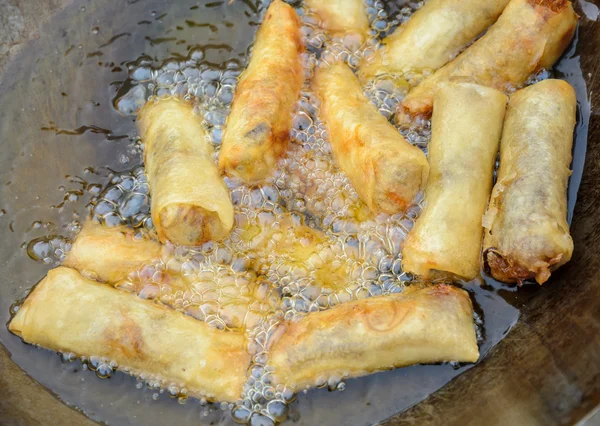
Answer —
258 128
529 35
527 234
341 16
433 36
466 128
431 325
385 170
190 202
69 313
109 255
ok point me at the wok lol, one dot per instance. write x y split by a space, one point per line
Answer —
59 60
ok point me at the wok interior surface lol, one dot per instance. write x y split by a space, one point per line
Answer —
59 131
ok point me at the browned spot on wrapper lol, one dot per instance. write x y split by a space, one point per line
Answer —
386 317
554 5
128 339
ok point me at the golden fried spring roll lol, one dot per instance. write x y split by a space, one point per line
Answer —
358 338
258 127
341 16
70 313
527 234
529 35
433 35
385 170
190 202
109 255
466 128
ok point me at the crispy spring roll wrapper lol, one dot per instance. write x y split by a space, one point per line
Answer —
361 337
70 313
109 255
258 127
433 36
341 16
527 234
529 35
385 170
466 128
190 202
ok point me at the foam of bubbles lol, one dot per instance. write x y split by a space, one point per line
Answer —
49 249
125 201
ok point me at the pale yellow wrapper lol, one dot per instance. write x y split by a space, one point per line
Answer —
527 234
67 312
354 339
466 128
258 128
385 170
109 255
190 202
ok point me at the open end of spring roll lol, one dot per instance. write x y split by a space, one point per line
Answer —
466 128
527 234
69 313
109 255
385 170
258 127
432 36
190 202
358 338
529 35
341 16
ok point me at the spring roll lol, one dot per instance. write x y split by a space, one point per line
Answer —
361 337
433 36
466 128
527 234
529 35
385 170
258 127
190 202
109 255
341 16
70 313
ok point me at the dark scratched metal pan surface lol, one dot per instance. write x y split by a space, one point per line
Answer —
545 371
